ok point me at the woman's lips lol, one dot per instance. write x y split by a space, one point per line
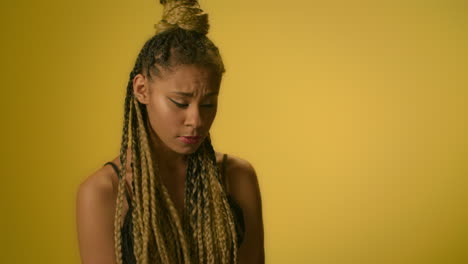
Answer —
190 140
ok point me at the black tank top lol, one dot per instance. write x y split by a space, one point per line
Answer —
127 233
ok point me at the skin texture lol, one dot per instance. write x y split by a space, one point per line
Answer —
96 196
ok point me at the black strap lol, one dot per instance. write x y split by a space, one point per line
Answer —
223 172
116 169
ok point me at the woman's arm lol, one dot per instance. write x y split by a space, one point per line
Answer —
243 185
95 207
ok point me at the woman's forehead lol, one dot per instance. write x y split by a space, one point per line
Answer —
190 95
189 80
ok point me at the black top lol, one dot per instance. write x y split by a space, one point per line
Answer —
127 233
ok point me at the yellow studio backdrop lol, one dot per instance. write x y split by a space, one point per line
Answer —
353 113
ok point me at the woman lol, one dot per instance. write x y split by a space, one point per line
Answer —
174 199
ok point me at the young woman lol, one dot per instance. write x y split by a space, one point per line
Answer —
169 197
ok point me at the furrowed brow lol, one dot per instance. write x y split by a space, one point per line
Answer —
191 94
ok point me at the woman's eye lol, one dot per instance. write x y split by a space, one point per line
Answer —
179 104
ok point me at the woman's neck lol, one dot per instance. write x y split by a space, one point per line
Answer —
167 159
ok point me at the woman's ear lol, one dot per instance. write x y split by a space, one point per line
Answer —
141 89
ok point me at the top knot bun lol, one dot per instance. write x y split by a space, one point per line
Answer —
185 14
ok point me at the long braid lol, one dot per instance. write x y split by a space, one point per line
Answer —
144 232
228 216
228 213
123 155
208 176
149 195
139 156
204 211
136 201
207 219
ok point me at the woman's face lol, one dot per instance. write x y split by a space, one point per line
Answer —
181 105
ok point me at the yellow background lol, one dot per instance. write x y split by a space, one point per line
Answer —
354 114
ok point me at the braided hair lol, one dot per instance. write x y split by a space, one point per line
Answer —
206 233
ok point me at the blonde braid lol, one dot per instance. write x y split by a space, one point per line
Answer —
118 221
207 224
147 168
208 185
185 14
216 209
136 181
199 231
219 190
121 185
207 228
218 217
197 204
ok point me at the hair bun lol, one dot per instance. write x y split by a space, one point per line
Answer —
185 14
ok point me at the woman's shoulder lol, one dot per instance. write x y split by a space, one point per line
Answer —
243 186
234 163
95 203
104 181
240 175
98 185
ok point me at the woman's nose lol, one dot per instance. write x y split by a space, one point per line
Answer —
193 117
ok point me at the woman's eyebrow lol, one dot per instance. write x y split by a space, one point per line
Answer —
191 94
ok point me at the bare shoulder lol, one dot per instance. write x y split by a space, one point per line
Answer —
95 208
240 174
103 182
99 185
237 164
243 185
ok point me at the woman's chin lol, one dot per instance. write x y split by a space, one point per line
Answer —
187 150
